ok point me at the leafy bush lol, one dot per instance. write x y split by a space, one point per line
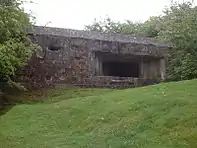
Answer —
179 29
15 46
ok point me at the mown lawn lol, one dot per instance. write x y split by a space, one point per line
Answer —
159 116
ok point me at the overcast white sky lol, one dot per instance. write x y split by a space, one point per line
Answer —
77 13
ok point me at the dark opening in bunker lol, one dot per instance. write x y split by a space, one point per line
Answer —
121 69
54 48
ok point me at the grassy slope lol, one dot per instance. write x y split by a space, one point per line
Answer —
160 116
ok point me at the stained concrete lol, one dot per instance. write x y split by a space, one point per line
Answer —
76 56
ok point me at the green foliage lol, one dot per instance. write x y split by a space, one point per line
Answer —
182 66
152 27
106 25
13 54
15 46
179 26
148 29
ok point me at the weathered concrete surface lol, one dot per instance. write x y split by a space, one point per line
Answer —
73 56
93 35
116 82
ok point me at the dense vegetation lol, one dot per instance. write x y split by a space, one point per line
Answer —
15 46
177 27
159 116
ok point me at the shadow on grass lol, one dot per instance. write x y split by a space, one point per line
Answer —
5 109
47 96
5 104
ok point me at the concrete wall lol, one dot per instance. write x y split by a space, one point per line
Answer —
74 60
151 69
69 63
116 82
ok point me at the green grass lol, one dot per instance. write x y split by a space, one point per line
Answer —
159 116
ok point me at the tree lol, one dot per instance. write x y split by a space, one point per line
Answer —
152 27
147 29
15 46
106 26
179 26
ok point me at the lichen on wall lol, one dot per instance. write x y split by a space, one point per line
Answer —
71 56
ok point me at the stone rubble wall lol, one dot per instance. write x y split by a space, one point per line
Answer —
68 64
65 60
115 82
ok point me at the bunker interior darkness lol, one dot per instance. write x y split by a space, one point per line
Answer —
119 65
121 69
